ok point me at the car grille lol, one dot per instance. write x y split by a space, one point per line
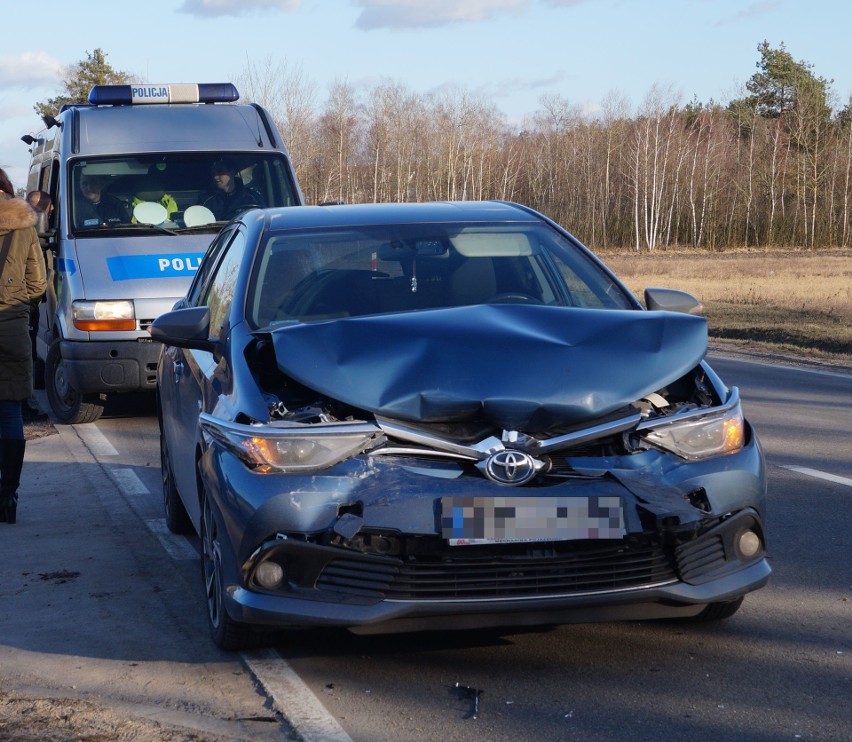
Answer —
604 568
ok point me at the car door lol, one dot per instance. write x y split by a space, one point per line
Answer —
187 376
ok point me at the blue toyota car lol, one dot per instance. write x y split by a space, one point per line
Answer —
450 415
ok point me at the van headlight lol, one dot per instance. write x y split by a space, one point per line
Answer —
292 448
100 316
701 437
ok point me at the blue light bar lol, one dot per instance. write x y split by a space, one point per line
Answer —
147 94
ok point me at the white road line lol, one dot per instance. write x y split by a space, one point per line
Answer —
95 441
177 547
820 475
293 699
128 481
720 354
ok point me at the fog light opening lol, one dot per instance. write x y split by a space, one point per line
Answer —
269 575
748 544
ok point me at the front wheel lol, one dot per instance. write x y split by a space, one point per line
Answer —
68 405
717 611
226 633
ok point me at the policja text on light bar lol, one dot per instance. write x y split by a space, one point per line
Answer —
146 94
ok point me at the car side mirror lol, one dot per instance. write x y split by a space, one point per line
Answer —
185 328
671 300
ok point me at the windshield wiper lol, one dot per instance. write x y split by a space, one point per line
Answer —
202 227
120 229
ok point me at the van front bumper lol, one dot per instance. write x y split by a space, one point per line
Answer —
111 366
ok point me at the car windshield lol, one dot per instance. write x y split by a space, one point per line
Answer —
315 275
174 191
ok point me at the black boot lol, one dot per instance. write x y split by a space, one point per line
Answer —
11 463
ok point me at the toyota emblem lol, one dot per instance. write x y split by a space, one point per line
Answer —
510 467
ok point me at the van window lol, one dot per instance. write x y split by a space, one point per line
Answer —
180 190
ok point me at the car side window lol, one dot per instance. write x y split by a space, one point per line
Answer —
220 294
208 265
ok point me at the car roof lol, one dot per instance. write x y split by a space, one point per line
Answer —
358 215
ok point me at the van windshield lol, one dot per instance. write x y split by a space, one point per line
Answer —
174 191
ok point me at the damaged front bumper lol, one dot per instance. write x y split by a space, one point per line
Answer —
624 582
360 545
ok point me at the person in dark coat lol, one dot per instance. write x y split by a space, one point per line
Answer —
97 208
43 206
22 281
230 196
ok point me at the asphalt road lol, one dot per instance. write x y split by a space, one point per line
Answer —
130 627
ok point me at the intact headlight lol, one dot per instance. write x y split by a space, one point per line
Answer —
296 448
700 437
95 316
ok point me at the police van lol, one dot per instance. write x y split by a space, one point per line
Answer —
141 179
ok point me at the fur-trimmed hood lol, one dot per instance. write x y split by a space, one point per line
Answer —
15 214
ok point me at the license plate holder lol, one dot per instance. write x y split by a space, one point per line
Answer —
467 521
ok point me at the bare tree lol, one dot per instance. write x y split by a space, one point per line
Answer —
340 126
773 167
289 96
653 138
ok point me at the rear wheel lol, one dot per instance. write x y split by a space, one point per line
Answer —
68 405
226 633
177 519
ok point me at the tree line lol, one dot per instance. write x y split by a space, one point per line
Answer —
773 168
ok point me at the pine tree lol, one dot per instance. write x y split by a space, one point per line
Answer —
79 80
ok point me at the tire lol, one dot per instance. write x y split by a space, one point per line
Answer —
717 611
38 373
226 633
68 405
177 519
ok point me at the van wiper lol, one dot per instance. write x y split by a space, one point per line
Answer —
153 227
111 231
214 226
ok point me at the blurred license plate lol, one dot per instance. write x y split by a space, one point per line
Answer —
494 520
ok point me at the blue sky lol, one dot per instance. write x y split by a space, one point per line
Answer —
512 52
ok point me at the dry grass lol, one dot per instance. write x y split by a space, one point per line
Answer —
793 301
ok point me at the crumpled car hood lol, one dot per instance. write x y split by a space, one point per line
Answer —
519 367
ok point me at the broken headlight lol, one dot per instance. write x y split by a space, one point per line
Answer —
292 447
699 434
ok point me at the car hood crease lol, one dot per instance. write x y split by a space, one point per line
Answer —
486 362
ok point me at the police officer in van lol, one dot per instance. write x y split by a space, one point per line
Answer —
229 196
98 208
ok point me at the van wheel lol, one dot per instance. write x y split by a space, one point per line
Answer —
68 405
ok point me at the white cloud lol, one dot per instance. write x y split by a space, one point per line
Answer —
510 86
214 8
757 10
416 13
30 69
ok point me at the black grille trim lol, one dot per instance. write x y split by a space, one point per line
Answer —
608 568
699 558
